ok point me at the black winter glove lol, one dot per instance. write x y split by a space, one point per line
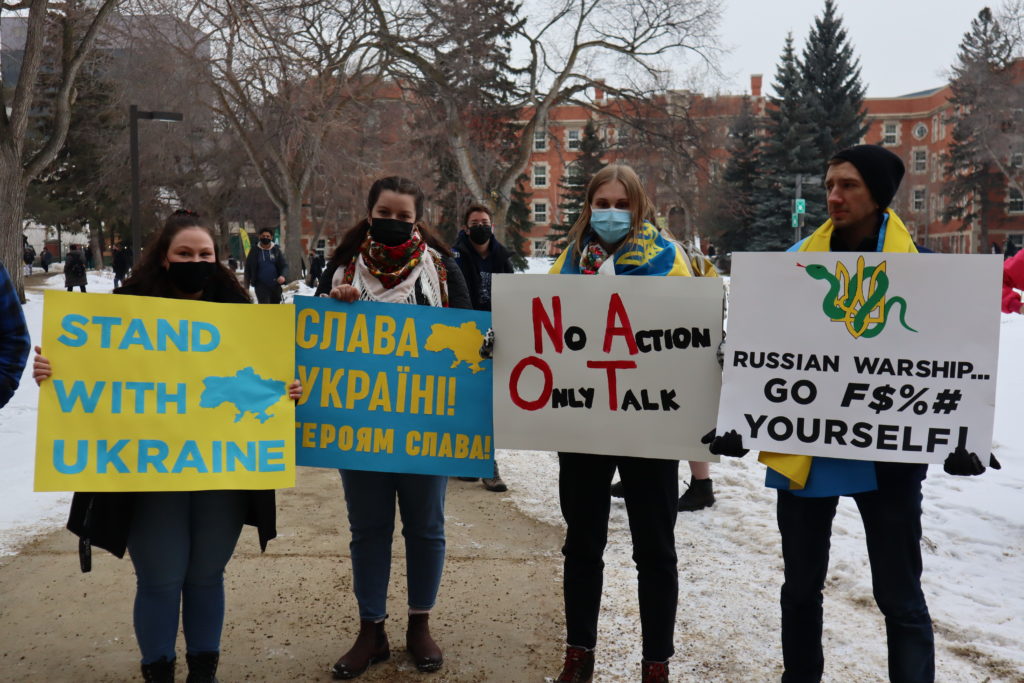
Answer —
964 464
487 348
730 444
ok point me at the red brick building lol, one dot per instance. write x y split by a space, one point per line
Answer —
913 126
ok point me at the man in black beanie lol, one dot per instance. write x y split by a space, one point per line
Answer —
861 182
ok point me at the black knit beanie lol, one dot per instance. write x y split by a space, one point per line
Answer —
881 170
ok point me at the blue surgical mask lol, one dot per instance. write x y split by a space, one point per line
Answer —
611 225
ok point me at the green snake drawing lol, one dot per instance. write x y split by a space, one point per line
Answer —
840 312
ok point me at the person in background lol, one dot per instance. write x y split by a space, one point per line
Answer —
122 263
1013 279
479 255
265 269
14 339
616 224
45 259
393 256
74 269
179 541
316 268
28 256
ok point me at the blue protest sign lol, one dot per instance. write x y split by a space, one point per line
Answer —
393 388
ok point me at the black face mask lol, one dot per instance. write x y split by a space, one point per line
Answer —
189 277
480 234
390 232
265 240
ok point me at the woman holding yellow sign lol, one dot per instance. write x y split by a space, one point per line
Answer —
179 541
616 235
391 256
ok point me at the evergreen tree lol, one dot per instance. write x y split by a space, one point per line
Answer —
832 86
518 223
983 106
738 187
789 149
573 185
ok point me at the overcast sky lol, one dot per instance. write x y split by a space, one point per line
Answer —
903 45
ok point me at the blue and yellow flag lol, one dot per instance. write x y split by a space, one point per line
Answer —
647 253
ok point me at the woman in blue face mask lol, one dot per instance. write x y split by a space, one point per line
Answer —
616 235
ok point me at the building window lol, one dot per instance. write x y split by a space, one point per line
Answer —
919 199
890 133
1017 160
920 130
540 212
572 138
540 175
540 140
540 247
1014 201
920 163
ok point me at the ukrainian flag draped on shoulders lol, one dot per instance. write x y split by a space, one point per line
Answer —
804 475
647 253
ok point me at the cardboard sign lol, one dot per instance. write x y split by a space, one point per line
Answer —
154 394
874 356
607 365
393 388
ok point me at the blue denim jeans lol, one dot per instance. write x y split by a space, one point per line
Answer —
370 500
892 527
180 543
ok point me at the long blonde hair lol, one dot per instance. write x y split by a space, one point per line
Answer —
640 204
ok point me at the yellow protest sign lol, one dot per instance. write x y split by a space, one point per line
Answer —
154 394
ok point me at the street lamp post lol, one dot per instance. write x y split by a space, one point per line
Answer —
134 114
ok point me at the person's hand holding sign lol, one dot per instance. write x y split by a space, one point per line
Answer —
346 293
41 369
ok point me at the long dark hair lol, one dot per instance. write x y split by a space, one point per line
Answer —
150 278
354 237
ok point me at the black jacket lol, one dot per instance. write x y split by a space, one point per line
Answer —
103 519
469 263
252 263
458 295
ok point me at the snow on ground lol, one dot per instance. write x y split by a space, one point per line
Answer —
730 561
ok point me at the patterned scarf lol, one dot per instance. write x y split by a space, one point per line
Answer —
391 265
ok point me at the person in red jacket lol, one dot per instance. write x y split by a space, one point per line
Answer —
1013 278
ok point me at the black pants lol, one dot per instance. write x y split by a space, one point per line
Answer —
119 279
651 491
268 294
81 287
892 527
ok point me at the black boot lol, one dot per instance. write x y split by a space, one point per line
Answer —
371 646
160 671
425 652
202 667
697 496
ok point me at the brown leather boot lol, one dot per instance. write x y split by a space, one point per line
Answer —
578 667
654 672
371 646
425 652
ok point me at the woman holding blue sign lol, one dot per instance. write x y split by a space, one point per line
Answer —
616 235
391 256
179 541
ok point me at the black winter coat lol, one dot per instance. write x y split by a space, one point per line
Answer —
469 262
103 519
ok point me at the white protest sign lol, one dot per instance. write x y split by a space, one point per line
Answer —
606 365
876 356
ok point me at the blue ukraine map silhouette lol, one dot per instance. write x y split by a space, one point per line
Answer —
246 390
